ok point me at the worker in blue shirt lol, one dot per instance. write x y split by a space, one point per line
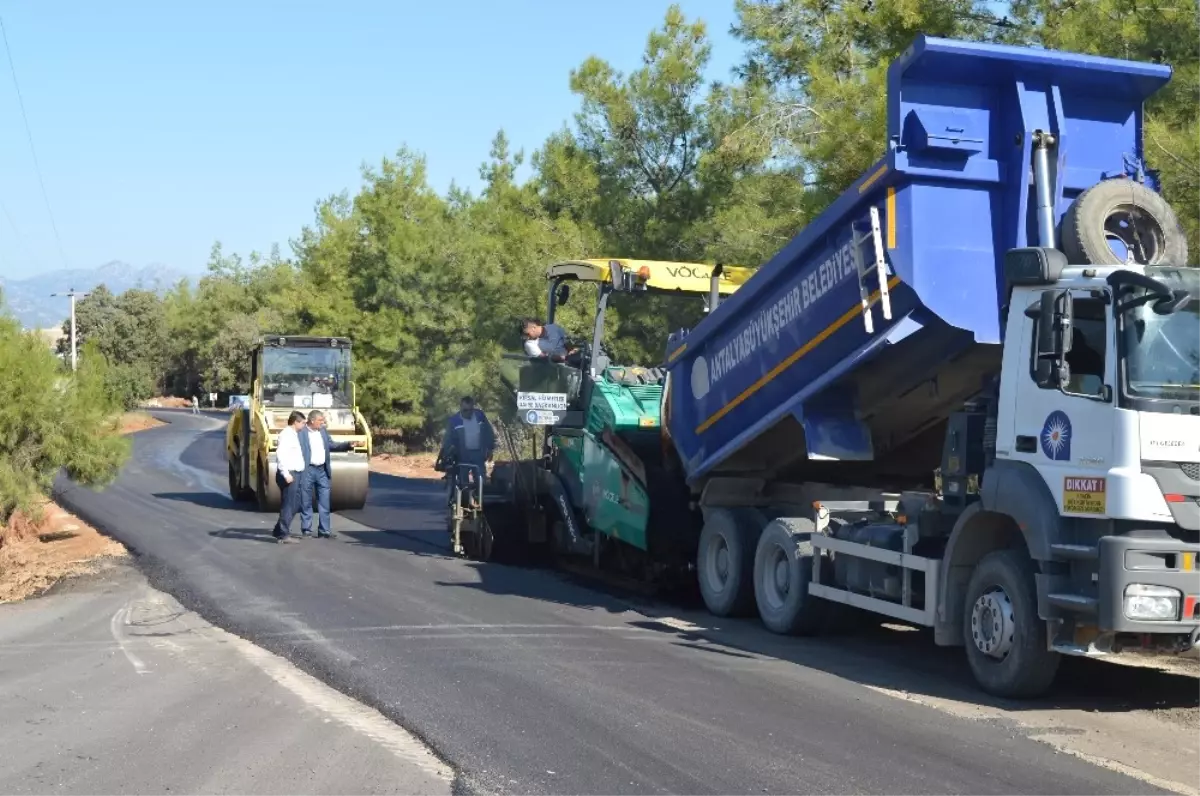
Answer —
469 440
549 338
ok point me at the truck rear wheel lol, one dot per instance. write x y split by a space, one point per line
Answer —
1118 221
725 562
783 564
1005 638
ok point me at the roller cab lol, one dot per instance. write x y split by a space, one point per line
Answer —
297 373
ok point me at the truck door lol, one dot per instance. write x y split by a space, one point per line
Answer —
1067 434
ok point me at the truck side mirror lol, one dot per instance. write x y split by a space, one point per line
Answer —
564 293
1055 323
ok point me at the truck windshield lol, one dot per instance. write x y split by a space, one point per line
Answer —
1161 353
306 377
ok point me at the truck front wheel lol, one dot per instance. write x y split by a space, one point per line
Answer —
1005 638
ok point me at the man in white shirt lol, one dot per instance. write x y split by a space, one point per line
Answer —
316 445
289 470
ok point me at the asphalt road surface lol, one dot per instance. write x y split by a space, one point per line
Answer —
110 686
526 681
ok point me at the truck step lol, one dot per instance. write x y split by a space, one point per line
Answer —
1075 552
1074 602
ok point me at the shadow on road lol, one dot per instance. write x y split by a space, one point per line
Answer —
209 500
405 515
905 659
247 534
886 656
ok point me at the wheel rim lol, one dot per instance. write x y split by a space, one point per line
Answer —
1134 236
716 563
776 578
992 623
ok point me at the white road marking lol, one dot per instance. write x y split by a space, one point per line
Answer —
466 627
117 626
339 707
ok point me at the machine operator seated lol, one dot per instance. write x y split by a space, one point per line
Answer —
548 341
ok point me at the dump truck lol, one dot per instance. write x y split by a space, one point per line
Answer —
966 396
297 373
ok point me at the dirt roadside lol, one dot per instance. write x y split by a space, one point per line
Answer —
34 557
409 465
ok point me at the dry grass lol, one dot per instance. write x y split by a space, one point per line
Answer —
138 421
168 402
34 555
407 465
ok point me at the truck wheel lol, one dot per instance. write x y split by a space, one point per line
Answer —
1118 221
725 563
782 572
1005 638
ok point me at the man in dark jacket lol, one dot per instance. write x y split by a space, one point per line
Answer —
316 445
469 440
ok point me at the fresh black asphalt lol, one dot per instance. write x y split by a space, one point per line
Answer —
526 681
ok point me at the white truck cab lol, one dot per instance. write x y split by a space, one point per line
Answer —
1098 446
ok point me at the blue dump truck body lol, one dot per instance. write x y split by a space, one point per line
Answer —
920 240
964 397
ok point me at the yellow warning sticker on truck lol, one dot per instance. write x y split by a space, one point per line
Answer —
1084 495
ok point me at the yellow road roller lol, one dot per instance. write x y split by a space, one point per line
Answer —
297 373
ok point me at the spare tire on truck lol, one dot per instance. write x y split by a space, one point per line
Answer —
1119 221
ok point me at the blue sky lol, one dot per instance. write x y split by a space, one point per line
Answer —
161 127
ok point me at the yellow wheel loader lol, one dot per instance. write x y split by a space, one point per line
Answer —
297 374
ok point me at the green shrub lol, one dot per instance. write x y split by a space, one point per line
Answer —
51 420
130 384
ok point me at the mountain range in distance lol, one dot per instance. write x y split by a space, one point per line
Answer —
30 302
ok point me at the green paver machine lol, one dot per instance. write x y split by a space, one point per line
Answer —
585 492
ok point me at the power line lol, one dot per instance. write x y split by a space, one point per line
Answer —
17 236
33 151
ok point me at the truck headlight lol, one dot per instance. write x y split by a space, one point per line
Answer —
1152 603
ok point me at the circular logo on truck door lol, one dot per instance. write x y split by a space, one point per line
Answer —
1056 437
699 378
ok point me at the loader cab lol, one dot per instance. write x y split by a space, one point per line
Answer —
624 397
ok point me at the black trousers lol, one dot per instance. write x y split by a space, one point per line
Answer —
288 504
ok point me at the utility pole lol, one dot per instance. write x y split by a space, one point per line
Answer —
72 295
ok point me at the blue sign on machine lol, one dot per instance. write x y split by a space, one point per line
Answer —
542 417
